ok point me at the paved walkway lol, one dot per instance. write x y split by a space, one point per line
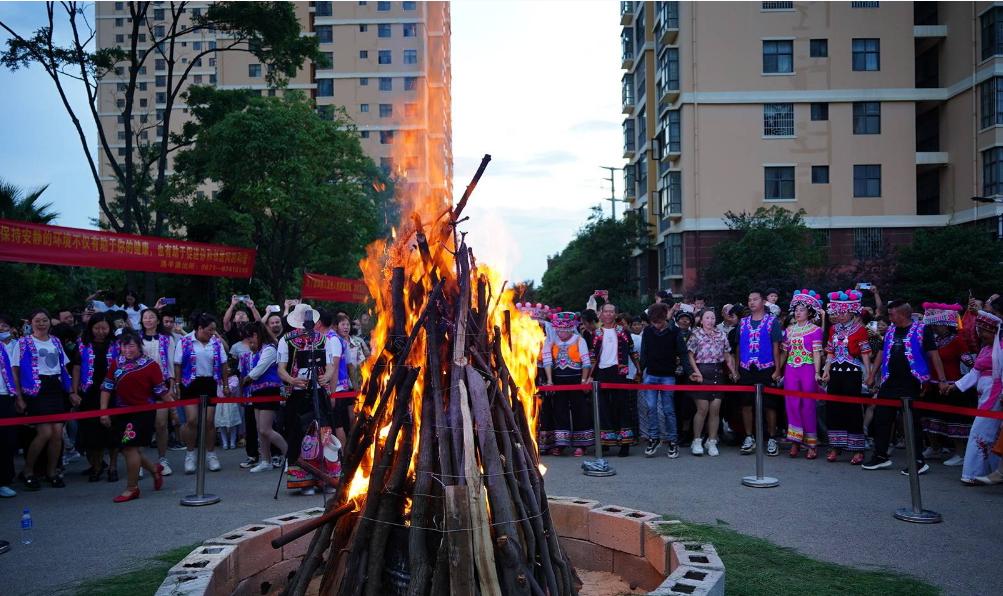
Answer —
833 512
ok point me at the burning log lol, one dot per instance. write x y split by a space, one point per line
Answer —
442 491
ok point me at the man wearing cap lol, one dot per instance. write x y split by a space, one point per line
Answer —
908 356
299 410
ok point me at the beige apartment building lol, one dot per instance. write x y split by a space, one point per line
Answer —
876 118
389 69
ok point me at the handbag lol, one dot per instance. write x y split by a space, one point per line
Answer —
310 448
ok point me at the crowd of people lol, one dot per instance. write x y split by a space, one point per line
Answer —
815 344
106 355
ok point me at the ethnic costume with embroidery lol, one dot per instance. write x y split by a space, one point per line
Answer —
617 409
953 348
134 382
846 350
801 342
95 359
756 362
299 412
987 377
565 416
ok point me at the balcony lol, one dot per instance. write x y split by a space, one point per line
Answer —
626 13
929 31
668 93
628 94
932 158
627 59
667 35
667 22
629 146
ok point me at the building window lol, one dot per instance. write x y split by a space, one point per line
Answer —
779 183
819 111
364 108
669 12
254 70
818 48
866 117
674 255
143 102
778 120
197 46
364 134
673 132
628 135
120 38
386 110
867 243
161 81
410 56
867 54
410 110
196 12
198 79
363 54
668 69
119 5
322 9
160 64
121 135
161 97
642 177
410 29
159 31
119 22
410 83
778 6
864 4
382 6
212 79
992 172
386 137
820 174
778 56
409 5
672 193
325 34
383 30
991 102
363 28
363 81
325 87
384 57
992 32
642 128
629 187
867 180
386 84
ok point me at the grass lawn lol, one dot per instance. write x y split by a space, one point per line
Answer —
756 567
141 582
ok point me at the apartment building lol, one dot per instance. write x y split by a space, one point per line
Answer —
876 118
389 67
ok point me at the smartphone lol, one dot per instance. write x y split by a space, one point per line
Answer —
170 301
243 297
865 286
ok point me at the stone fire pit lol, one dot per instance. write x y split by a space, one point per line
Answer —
635 545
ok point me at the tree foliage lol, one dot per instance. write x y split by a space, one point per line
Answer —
944 264
772 247
293 185
598 258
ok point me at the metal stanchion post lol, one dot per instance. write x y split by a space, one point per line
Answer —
759 480
598 466
915 514
200 498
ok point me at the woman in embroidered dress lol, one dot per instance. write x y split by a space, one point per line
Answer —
847 364
41 384
135 380
709 353
95 356
565 419
801 367
337 348
948 431
986 377
157 346
200 367
259 371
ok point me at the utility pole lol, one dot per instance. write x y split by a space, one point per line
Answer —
612 188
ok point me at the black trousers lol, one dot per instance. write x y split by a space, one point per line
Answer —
884 420
617 410
250 432
8 440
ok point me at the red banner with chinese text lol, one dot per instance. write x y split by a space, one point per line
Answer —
22 242
333 289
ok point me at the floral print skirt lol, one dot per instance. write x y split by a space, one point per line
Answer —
133 430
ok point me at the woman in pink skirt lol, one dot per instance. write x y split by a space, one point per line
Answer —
801 366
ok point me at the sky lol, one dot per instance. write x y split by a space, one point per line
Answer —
535 84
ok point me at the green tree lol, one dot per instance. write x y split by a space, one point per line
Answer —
296 186
21 205
598 258
771 248
944 264
156 32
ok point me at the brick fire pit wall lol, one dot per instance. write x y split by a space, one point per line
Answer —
636 545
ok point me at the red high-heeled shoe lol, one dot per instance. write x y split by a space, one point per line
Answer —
158 478
832 456
795 450
812 453
129 495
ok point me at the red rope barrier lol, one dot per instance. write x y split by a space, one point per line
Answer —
19 420
551 388
705 388
846 399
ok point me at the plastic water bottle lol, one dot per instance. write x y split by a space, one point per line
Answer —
26 524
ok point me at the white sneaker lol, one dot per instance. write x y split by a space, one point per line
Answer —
772 447
166 471
931 453
262 466
712 448
954 461
697 447
189 462
212 461
308 491
7 492
276 461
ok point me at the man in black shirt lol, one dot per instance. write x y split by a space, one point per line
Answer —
911 351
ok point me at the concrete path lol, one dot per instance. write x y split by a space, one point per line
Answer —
833 512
